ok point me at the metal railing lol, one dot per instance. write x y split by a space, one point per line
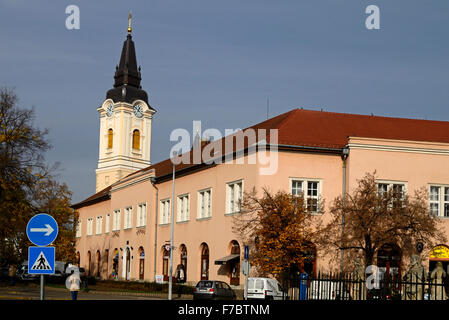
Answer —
349 287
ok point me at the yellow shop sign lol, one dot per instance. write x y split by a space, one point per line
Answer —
440 252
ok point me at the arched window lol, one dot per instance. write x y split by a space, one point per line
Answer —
136 139
183 250
165 261
88 262
234 264
141 263
98 264
204 262
110 138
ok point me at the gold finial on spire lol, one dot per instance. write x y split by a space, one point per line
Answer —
129 22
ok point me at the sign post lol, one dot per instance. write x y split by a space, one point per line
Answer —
41 230
246 271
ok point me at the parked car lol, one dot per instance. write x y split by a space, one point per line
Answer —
265 288
22 272
213 290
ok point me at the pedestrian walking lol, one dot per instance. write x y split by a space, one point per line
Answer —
74 284
180 278
12 275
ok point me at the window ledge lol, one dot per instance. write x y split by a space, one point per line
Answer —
141 227
164 224
233 213
183 221
203 219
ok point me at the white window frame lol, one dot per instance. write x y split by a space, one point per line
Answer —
99 225
204 204
442 201
165 211
234 196
128 218
107 225
391 183
141 215
90 226
78 229
183 207
305 190
116 220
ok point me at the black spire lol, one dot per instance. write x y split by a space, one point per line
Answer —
127 76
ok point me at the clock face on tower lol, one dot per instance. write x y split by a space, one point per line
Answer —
138 111
110 110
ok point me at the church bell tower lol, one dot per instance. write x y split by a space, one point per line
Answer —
125 122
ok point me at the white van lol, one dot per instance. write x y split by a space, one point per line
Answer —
265 288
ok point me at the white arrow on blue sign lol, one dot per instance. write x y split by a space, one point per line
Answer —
42 229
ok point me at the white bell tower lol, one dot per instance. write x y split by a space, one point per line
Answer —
125 123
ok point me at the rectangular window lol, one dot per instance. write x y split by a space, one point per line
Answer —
439 201
234 194
78 228
99 225
399 190
183 208
107 226
297 187
116 220
310 189
164 211
128 222
89 226
141 215
204 204
312 196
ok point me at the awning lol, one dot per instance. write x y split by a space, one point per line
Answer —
226 259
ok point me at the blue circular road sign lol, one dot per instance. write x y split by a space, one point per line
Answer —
42 229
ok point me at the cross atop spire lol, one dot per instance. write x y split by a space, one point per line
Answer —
129 23
127 74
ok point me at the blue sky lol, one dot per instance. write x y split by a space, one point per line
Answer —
218 62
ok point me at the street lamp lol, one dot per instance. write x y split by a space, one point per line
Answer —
344 156
170 280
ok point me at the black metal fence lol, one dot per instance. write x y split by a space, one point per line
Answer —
373 287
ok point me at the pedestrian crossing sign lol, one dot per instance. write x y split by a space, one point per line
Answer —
41 260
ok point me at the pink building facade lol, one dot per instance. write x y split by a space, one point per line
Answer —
124 229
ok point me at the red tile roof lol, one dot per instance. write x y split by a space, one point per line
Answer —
320 129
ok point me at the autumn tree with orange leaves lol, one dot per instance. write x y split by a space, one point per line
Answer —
278 229
375 218
27 183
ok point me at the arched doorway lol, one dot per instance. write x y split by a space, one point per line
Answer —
115 261
183 258
78 259
165 261
105 270
127 263
389 258
88 262
234 264
309 264
439 253
204 261
141 263
98 269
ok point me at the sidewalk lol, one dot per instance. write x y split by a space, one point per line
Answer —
31 291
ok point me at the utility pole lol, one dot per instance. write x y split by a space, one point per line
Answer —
170 279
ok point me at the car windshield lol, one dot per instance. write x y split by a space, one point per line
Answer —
205 284
259 284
